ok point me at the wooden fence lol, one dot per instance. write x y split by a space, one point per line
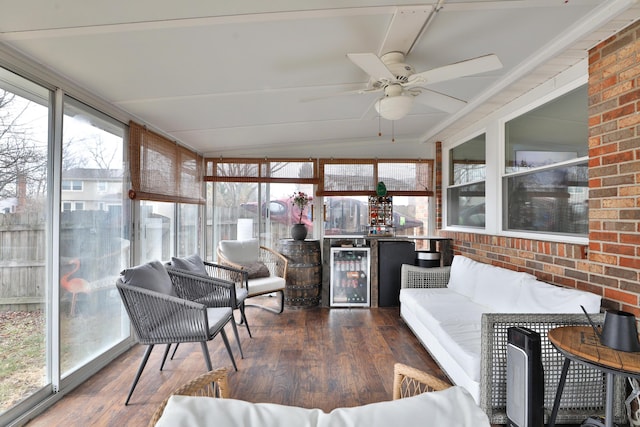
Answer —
84 235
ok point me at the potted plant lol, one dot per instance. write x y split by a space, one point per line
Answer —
300 200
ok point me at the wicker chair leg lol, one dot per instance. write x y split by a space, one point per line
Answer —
166 353
235 331
174 351
226 343
243 319
205 353
143 363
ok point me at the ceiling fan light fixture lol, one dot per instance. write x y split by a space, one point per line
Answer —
394 107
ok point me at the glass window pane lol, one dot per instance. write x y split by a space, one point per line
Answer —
349 177
555 132
187 229
409 176
157 222
350 215
93 246
236 211
549 201
466 205
24 229
468 162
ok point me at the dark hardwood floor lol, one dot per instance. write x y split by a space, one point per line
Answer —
313 357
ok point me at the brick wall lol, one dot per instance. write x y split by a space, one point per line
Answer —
611 265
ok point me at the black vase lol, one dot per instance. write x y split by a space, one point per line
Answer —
298 232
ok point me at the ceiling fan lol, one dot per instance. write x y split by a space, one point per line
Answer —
401 85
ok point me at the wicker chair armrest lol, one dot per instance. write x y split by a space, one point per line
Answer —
159 318
409 381
584 392
210 291
275 262
211 384
423 277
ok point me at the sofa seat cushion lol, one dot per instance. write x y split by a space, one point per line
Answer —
454 319
265 285
451 407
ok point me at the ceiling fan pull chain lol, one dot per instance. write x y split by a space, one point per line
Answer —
393 131
379 126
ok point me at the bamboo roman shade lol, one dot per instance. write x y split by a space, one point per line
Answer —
162 170
360 176
301 171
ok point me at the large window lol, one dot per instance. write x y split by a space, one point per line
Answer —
545 183
466 191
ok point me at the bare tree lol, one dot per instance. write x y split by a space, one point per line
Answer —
22 157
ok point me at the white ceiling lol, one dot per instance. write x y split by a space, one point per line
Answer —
234 78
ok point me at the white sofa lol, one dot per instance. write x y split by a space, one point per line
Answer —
461 314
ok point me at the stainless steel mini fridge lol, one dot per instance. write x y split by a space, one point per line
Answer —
350 279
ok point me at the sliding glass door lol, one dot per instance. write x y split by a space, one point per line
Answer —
24 297
93 247
64 239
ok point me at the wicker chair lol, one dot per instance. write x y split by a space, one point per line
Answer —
205 290
408 381
159 318
274 261
209 384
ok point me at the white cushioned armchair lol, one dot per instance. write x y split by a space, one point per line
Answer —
263 270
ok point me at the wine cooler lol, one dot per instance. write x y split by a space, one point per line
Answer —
350 280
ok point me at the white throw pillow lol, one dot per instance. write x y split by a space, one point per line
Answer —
241 251
461 277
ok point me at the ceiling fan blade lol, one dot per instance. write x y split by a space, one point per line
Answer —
372 65
440 101
469 67
345 93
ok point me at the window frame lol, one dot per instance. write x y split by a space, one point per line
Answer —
494 126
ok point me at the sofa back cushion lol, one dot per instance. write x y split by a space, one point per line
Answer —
240 251
541 297
498 288
488 285
451 407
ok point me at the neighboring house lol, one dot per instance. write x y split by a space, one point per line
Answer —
92 189
8 205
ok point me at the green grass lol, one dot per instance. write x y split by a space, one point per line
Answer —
22 356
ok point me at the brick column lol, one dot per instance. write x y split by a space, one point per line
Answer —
614 167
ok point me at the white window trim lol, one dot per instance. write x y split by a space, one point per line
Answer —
493 126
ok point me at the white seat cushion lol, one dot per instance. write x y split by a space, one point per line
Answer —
266 284
454 319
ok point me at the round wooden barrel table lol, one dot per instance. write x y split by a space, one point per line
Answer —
304 273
